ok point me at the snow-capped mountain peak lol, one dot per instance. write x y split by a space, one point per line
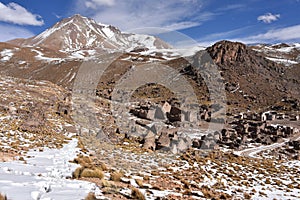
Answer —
81 33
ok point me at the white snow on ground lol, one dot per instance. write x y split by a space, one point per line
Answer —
146 40
21 62
296 45
285 49
40 56
44 176
6 54
255 150
173 53
280 55
78 54
283 61
108 32
82 54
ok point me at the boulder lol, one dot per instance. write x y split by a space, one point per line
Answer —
166 108
174 114
149 114
217 136
12 109
206 144
159 113
149 141
196 143
191 116
173 148
184 143
295 145
164 140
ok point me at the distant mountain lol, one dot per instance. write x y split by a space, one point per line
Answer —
255 77
284 54
81 33
57 53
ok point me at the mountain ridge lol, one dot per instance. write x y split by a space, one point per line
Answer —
81 33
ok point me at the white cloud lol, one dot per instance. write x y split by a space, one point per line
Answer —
14 13
210 39
57 16
224 35
95 3
231 7
287 34
134 14
282 34
9 32
268 18
182 25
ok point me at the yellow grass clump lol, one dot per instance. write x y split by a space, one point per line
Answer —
137 194
82 172
3 197
116 176
90 196
92 173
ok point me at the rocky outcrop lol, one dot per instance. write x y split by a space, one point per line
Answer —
168 139
226 52
251 80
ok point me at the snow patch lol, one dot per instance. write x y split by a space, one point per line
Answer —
44 176
6 54
282 61
40 56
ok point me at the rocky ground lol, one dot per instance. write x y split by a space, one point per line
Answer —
33 114
37 115
196 174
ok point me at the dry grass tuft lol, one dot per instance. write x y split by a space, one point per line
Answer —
146 178
21 158
116 176
187 192
247 196
88 173
77 172
92 173
102 166
106 183
3 197
81 146
137 194
90 196
185 183
139 182
83 160
207 192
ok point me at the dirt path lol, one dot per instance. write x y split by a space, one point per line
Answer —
255 150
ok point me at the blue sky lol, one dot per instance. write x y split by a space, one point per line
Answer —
206 21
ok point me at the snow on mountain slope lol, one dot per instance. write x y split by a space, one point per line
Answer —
81 33
6 54
285 54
